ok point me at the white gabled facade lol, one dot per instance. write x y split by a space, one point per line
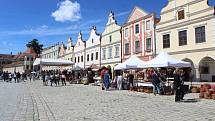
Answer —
79 52
92 55
69 54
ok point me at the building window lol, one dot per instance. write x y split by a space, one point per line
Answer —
182 37
117 51
97 55
91 56
166 41
110 39
109 52
71 59
88 57
92 40
126 32
200 34
180 14
148 25
103 54
82 58
27 58
127 48
137 29
204 69
148 44
78 59
75 60
137 46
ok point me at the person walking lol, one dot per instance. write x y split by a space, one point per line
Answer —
52 78
44 79
119 81
18 77
14 77
57 79
63 79
10 77
106 80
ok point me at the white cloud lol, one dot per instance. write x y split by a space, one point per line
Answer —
67 11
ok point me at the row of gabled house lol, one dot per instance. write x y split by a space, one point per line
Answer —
186 30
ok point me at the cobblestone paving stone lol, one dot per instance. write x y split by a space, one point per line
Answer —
90 103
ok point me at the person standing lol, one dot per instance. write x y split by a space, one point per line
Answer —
156 82
63 79
178 85
131 80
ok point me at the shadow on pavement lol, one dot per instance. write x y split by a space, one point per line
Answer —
192 100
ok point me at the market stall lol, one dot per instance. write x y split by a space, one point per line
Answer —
52 62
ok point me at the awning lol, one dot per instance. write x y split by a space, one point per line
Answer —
132 63
165 60
52 62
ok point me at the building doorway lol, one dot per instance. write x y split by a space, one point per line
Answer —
206 69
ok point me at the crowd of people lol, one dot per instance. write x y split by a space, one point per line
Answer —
16 76
56 76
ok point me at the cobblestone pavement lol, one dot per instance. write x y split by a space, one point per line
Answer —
32 101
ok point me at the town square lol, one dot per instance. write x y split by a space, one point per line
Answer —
135 60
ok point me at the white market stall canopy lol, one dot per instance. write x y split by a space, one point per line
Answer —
52 62
132 63
164 60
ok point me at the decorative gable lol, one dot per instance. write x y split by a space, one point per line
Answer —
136 14
94 38
79 42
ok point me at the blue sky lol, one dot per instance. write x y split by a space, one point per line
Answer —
51 21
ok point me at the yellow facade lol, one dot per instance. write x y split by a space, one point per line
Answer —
111 43
190 16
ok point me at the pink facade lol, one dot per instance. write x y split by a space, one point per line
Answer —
138 35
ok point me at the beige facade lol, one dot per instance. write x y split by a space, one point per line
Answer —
18 68
52 52
187 32
79 52
62 51
93 49
111 43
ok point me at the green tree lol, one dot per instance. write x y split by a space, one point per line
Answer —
35 45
